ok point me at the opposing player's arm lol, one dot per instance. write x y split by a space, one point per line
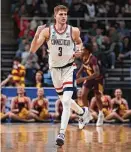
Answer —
79 71
39 40
93 76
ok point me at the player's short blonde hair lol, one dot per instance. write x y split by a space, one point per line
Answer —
60 7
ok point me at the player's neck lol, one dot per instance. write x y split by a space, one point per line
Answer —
60 27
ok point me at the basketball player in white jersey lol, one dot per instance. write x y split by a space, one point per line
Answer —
61 39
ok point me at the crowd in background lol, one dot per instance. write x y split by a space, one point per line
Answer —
111 40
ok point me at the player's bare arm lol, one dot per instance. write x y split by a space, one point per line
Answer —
93 76
39 38
77 40
79 71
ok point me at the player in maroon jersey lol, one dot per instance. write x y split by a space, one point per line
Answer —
93 80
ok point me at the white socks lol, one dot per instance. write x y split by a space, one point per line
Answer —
68 104
66 110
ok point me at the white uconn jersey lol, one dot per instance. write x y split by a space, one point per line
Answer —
60 47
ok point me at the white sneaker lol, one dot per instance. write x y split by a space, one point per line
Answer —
85 118
60 139
100 120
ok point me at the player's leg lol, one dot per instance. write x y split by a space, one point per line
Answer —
98 86
58 84
68 102
85 92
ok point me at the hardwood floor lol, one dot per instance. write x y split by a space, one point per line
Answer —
40 137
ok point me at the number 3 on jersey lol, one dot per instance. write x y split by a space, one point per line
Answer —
60 51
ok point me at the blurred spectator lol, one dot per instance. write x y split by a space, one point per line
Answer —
21 47
59 109
44 8
43 59
126 49
109 114
106 103
39 107
90 8
92 30
47 79
122 30
79 98
127 9
101 10
30 61
3 114
99 37
108 54
30 7
39 79
16 19
20 106
120 105
18 73
33 24
8 79
126 55
25 54
113 34
77 9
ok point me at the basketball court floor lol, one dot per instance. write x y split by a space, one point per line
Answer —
40 137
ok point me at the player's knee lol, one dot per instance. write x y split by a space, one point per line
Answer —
67 97
66 103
